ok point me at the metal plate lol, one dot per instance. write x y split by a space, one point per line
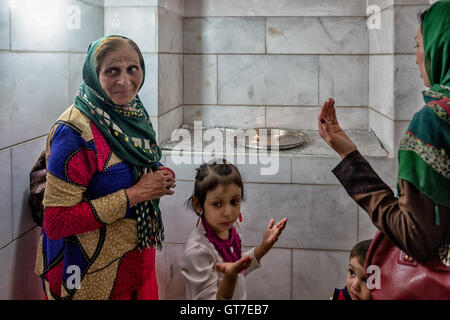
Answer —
272 138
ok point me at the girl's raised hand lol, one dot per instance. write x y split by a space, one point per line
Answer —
331 132
273 232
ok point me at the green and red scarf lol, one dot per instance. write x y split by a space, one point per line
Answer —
130 134
424 151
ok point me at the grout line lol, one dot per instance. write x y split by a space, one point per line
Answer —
23 142
20 236
12 196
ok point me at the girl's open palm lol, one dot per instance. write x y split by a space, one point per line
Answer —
234 268
331 132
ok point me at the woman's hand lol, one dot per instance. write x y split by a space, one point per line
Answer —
151 186
270 237
331 132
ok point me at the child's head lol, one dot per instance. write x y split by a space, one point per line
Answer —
356 277
218 192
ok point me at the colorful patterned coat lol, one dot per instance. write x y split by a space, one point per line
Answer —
88 225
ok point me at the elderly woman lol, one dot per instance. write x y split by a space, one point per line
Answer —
418 221
101 220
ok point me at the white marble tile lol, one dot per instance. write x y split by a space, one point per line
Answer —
205 8
76 62
168 122
320 217
179 221
270 168
149 91
143 29
225 116
170 83
410 2
155 126
5 196
4 25
62 25
131 3
315 274
168 271
381 4
316 35
383 128
345 78
408 88
268 79
400 128
382 40
24 157
224 35
17 261
34 91
381 84
317 170
170 31
366 229
175 6
272 281
200 79
265 168
305 118
406 26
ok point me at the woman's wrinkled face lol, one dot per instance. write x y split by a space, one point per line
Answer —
420 58
120 74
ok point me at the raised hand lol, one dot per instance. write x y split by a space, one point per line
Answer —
331 132
271 235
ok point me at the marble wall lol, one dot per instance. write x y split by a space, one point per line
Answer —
394 80
42 45
272 60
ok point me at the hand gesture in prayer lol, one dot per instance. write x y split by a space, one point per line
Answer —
331 132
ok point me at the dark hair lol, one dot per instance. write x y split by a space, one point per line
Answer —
212 174
359 251
111 44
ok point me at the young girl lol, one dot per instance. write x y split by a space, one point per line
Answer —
212 261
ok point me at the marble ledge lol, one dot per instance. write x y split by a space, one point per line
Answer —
366 141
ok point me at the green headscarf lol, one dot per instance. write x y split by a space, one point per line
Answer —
130 135
436 41
424 151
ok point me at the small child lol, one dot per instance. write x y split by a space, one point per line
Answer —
212 263
356 288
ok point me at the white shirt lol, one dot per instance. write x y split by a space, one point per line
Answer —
198 267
